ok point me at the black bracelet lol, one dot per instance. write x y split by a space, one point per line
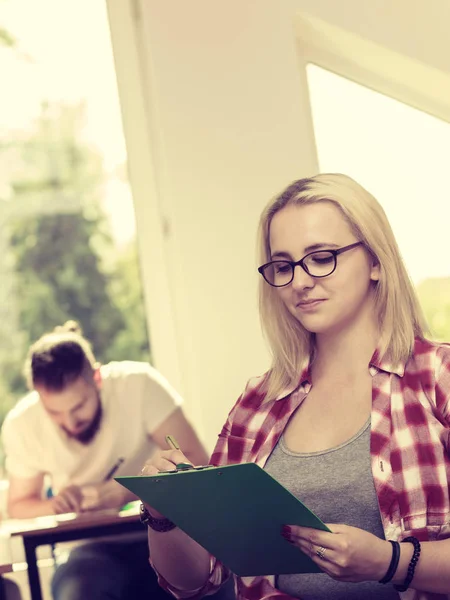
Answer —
393 564
156 524
412 564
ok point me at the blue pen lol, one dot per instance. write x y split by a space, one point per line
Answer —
113 469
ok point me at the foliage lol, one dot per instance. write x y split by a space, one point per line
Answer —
434 295
58 261
6 39
64 263
131 343
60 276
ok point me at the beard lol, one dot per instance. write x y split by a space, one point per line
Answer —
87 435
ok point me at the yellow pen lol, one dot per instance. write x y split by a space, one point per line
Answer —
175 446
172 442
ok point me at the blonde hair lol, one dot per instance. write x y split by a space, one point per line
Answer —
399 314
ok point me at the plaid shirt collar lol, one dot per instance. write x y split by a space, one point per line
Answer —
304 380
384 363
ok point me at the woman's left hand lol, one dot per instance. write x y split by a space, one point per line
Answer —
347 554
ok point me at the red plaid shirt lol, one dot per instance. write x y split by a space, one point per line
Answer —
410 448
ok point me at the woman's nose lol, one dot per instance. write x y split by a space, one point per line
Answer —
301 279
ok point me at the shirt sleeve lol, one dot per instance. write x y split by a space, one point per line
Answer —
442 384
232 444
159 398
21 457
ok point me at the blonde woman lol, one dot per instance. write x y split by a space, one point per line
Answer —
353 417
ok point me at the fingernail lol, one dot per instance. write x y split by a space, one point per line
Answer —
286 530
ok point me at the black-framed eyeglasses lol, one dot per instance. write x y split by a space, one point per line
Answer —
319 263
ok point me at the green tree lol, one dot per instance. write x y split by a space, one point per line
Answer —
434 295
131 343
6 39
58 261
60 277
59 240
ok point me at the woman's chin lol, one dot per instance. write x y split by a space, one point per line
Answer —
313 323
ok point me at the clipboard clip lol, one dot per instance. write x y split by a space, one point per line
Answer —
186 467
181 466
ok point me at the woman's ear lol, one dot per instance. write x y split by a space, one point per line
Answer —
375 270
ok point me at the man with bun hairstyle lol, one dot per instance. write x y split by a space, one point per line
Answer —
81 424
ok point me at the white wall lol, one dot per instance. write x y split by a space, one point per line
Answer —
229 126
413 28
217 120
398 48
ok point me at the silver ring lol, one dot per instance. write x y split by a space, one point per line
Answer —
321 552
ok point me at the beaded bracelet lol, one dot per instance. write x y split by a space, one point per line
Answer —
412 564
161 525
393 564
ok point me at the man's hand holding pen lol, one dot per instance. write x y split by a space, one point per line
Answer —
107 494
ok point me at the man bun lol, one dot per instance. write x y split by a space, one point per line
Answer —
70 326
59 358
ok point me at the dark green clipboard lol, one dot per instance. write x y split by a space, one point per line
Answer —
236 512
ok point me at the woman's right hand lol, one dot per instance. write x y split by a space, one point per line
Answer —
163 460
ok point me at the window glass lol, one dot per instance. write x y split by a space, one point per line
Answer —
401 155
68 248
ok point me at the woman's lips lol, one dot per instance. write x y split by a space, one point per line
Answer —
310 304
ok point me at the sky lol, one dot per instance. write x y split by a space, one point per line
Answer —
64 54
400 154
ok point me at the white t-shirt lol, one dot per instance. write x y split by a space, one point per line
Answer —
135 398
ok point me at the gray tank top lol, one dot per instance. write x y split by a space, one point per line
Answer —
337 485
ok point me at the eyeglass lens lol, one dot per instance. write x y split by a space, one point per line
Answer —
318 264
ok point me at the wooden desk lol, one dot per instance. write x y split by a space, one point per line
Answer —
64 528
